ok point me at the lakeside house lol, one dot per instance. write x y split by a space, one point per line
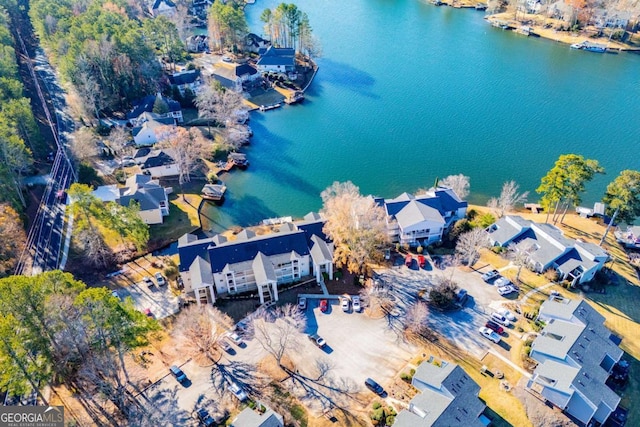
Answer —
147 104
232 76
254 43
217 266
574 260
277 59
150 195
447 396
157 163
186 80
162 7
256 418
576 354
422 219
150 129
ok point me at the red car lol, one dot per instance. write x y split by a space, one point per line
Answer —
494 327
408 260
421 261
324 305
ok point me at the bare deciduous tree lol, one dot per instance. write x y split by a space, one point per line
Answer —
221 105
458 183
119 140
376 300
469 245
84 144
415 321
199 330
355 223
519 254
509 198
188 147
278 329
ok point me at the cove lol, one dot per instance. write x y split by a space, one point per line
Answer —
408 92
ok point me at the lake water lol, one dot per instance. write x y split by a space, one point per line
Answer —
408 92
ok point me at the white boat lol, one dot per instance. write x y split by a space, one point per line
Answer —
588 46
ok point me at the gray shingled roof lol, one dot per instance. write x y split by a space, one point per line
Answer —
185 77
278 56
200 272
263 269
320 251
507 228
250 418
414 213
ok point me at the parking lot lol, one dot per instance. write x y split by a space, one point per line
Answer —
160 301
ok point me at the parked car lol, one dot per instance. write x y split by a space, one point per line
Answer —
317 340
147 312
116 295
494 327
178 374
147 281
408 260
506 313
236 339
374 386
387 254
461 296
127 163
237 391
497 317
226 59
224 344
355 301
422 261
302 303
502 281
160 279
345 303
204 417
324 305
506 290
490 275
489 334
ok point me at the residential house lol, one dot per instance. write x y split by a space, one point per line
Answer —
162 7
611 18
186 79
574 260
255 418
217 266
146 105
150 195
157 163
232 76
576 354
533 6
422 219
447 397
277 59
562 10
150 129
253 43
630 237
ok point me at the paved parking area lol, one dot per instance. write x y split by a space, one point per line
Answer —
159 300
460 326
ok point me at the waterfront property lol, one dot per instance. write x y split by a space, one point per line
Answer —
152 197
157 163
629 238
422 219
447 397
575 354
232 76
277 59
219 266
574 260
147 105
149 128
186 80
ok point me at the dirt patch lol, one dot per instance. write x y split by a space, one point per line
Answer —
540 413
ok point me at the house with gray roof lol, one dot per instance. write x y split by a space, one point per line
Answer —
576 354
146 104
277 59
251 262
150 129
254 418
447 397
157 163
547 248
162 7
184 80
232 76
148 193
422 219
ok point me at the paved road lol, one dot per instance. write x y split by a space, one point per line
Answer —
47 232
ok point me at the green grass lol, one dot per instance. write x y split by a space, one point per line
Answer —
183 218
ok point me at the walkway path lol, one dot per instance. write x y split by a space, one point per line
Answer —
324 288
510 363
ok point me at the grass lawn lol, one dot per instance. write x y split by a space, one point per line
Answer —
183 218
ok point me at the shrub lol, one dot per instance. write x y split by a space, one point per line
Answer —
298 413
378 414
376 405
88 175
170 272
484 220
121 176
412 372
419 249
471 214
443 294
391 419
551 275
212 177
405 377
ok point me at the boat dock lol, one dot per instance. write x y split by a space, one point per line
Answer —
270 107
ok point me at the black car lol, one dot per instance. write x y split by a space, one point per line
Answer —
204 417
374 386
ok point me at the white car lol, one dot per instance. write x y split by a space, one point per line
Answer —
502 281
499 318
356 303
160 279
489 334
506 313
116 295
237 339
224 344
147 281
506 290
237 391
344 303
302 303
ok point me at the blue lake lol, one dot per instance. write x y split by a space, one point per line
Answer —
408 92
